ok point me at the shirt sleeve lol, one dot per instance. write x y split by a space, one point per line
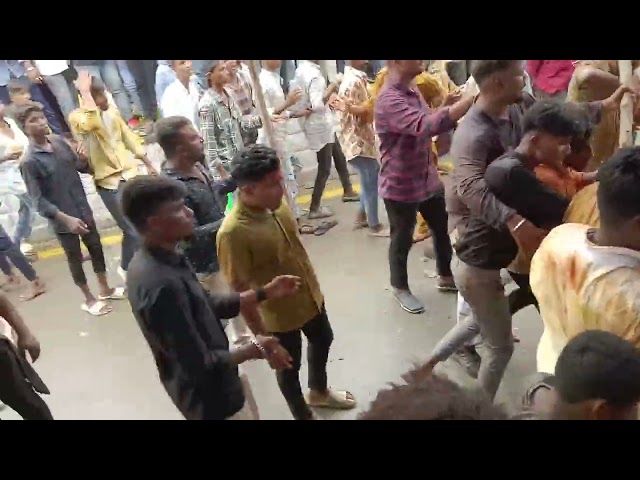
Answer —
470 185
32 182
208 132
225 306
234 258
316 94
173 333
394 114
85 120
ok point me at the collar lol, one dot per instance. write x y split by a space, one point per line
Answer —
174 258
250 212
171 172
217 97
37 148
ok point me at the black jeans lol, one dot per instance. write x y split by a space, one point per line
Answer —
523 296
130 238
320 336
402 221
324 170
70 243
15 389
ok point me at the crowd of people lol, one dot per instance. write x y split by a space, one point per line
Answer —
216 273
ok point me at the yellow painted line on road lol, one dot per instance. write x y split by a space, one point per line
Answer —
115 239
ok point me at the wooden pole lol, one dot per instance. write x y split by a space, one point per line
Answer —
626 106
268 126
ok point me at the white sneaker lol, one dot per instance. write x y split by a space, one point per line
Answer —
123 273
26 248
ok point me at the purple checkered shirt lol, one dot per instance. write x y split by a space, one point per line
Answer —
405 125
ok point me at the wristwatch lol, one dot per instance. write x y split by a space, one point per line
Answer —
261 294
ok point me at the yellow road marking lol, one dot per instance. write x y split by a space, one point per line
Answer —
115 239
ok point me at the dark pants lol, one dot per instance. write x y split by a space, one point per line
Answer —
402 221
523 296
42 95
11 251
15 389
130 238
70 243
320 336
324 170
144 73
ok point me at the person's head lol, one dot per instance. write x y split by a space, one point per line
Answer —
217 73
597 377
99 94
272 65
359 64
581 151
499 80
32 120
406 70
232 67
19 92
256 171
431 397
155 206
183 69
619 196
179 140
548 128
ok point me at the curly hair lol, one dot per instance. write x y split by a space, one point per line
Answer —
254 163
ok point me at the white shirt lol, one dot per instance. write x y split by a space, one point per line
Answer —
177 100
317 127
51 67
271 83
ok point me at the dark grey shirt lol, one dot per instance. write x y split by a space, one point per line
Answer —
181 323
53 183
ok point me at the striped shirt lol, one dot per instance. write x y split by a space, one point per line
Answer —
405 124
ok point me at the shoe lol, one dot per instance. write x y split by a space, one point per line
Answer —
408 302
447 284
469 360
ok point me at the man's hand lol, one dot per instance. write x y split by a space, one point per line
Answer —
527 235
293 96
274 353
34 76
613 102
282 286
451 98
83 82
77 226
29 343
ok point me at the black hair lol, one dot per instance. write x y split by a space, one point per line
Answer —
16 86
97 86
167 133
483 69
253 163
430 397
598 365
143 195
619 189
552 117
22 112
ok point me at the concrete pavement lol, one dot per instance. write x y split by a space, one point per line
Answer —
101 368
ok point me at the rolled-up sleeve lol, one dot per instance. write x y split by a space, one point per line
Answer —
395 114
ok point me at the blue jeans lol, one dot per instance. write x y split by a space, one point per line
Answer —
107 72
130 86
165 76
11 251
26 216
368 170
64 91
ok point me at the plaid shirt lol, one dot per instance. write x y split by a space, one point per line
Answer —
243 96
405 124
221 128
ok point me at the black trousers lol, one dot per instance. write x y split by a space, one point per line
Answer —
15 390
320 336
70 243
523 296
402 221
325 154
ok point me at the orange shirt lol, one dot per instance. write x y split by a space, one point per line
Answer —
566 182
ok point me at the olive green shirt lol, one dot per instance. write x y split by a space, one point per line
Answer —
256 246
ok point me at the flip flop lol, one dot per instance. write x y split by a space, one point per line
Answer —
322 212
324 227
119 293
336 400
307 229
97 309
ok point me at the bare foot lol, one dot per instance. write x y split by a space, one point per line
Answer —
13 281
37 289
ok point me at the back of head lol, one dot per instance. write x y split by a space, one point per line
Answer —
253 164
167 133
619 190
552 117
598 365
430 397
481 70
143 196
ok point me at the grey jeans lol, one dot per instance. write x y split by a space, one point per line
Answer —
484 292
64 91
